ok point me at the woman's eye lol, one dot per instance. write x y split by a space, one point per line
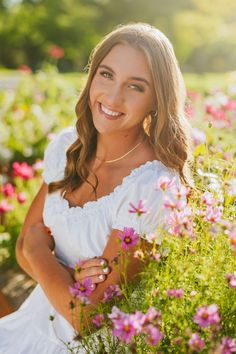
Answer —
136 87
106 74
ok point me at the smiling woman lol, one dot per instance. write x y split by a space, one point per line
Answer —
131 130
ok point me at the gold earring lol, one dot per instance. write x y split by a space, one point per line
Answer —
153 114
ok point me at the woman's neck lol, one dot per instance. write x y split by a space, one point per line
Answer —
110 147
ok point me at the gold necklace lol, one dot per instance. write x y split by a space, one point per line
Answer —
121 157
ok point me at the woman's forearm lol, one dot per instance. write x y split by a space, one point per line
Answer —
22 261
54 280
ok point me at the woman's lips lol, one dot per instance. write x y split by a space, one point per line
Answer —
107 116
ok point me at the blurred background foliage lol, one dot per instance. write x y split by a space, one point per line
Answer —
203 33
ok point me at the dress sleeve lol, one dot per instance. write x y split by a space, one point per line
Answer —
55 155
143 188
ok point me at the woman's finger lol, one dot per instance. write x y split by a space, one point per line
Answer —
91 272
94 262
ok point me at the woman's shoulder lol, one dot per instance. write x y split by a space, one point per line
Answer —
68 134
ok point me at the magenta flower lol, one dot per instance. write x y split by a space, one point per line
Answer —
207 315
154 335
21 197
175 293
196 343
139 210
128 237
213 214
82 289
111 291
208 199
124 327
5 206
231 280
98 320
8 190
227 346
22 170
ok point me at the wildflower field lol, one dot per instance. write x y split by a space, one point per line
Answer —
185 299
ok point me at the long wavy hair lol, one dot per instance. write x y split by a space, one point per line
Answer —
168 130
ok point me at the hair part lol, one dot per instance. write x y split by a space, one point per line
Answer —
168 132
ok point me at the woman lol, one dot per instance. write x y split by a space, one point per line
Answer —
130 131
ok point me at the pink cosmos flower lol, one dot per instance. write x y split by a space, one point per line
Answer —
196 343
128 237
180 223
231 280
56 52
98 320
208 199
213 214
152 316
82 289
180 192
139 210
207 315
8 190
175 293
124 327
170 203
22 170
164 183
111 291
21 197
154 335
5 206
227 346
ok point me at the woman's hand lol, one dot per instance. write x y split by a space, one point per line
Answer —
37 237
96 269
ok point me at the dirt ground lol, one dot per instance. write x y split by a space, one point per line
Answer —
16 286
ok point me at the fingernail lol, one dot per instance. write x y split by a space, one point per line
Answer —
103 262
93 286
106 270
102 277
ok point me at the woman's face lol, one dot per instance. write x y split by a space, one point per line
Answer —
121 93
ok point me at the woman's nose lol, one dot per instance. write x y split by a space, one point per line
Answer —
114 96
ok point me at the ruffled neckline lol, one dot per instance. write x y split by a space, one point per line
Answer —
104 199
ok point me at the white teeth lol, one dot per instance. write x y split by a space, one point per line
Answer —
111 113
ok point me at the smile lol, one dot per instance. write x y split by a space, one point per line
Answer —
109 113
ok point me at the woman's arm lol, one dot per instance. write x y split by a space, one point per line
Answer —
34 215
55 280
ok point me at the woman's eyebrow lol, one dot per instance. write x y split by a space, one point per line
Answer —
136 78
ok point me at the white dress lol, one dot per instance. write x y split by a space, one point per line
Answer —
80 233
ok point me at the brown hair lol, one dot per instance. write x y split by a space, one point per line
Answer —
168 131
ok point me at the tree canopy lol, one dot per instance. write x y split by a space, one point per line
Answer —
203 34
